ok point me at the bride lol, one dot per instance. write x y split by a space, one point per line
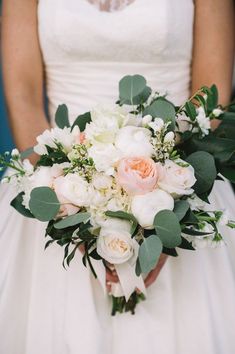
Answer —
80 49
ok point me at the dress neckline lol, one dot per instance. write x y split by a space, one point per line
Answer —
124 9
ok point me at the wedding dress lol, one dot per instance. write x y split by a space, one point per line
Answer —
44 309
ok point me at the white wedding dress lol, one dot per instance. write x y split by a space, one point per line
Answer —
43 308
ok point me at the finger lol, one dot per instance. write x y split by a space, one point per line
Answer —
111 277
109 287
150 279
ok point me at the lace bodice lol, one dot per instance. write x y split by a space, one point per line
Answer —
86 51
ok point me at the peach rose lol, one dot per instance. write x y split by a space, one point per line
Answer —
137 175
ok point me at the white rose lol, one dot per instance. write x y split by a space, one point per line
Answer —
115 244
106 121
104 156
145 207
175 179
73 189
134 141
203 121
53 136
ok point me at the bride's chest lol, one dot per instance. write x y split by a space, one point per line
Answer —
144 31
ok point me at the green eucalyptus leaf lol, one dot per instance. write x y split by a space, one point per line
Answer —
44 204
168 228
72 220
162 108
82 120
180 209
131 87
149 253
205 170
62 116
17 204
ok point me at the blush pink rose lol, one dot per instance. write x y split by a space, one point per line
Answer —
137 175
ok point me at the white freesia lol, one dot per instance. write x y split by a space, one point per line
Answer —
145 207
177 179
204 240
73 189
104 156
115 243
197 204
56 135
217 112
203 121
134 141
105 123
183 123
157 124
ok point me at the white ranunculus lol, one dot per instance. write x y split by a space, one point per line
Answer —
145 207
177 179
104 156
53 136
134 141
203 121
73 189
115 243
105 123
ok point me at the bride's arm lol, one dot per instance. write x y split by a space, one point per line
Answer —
22 71
213 52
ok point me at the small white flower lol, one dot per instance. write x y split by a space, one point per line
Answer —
145 207
157 125
15 153
146 120
203 121
169 137
217 112
134 141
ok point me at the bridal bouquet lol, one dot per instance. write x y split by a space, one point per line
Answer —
126 183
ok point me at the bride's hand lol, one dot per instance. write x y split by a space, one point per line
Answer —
152 276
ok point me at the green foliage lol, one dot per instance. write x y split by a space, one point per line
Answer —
191 110
149 253
133 90
162 108
205 170
180 209
17 204
82 120
72 220
44 204
168 228
62 116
